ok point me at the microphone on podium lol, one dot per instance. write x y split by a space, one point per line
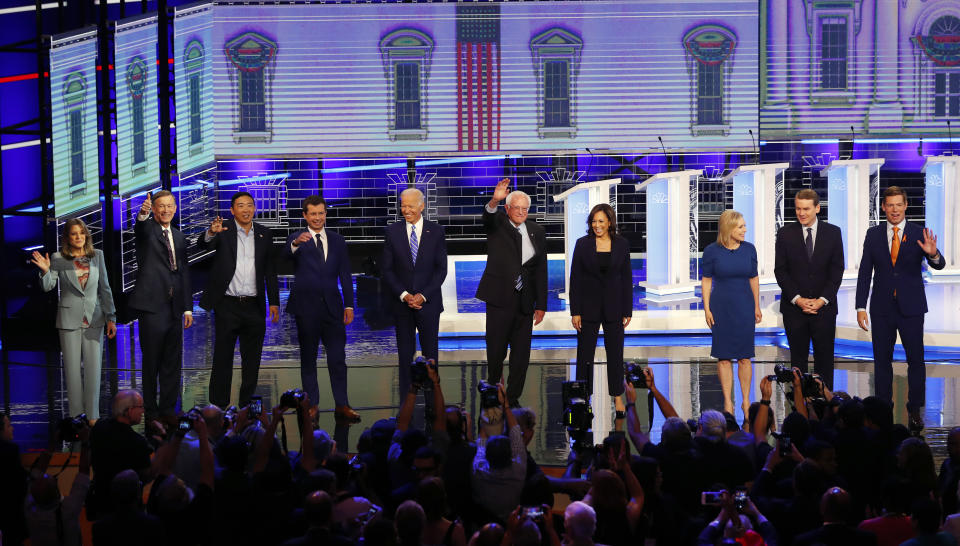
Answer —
664 148
949 137
853 135
756 152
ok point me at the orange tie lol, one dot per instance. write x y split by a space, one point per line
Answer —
895 245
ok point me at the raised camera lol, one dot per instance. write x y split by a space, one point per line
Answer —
70 427
634 374
740 499
488 395
533 512
186 422
781 374
292 398
419 375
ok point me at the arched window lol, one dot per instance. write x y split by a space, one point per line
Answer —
252 55
74 91
709 50
556 62
193 66
406 55
941 46
136 84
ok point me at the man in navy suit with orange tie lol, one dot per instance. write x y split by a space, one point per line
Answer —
320 261
893 253
414 266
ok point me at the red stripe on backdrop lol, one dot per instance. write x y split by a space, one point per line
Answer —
499 77
479 100
459 96
469 96
489 98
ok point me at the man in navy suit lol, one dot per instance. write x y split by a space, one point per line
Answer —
893 253
243 271
513 285
414 266
161 296
320 261
809 270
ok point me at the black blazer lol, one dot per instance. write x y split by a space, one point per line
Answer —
809 278
225 265
598 297
426 277
154 278
498 283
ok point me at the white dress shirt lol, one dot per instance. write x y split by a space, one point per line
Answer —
813 235
410 228
169 232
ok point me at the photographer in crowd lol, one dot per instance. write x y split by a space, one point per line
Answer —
500 466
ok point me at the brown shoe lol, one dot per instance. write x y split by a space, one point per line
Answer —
346 413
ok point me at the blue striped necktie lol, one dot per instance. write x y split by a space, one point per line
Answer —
519 285
414 246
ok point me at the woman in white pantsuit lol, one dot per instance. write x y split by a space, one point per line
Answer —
86 305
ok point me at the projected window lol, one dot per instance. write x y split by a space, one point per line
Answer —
253 57
938 49
136 84
709 50
946 97
556 61
406 55
833 53
193 68
74 91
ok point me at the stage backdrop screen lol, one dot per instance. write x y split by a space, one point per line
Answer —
409 78
73 108
135 72
193 68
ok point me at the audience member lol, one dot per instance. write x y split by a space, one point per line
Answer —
318 509
926 520
13 526
127 519
52 519
432 497
500 466
893 526
835 508
744 525
115 447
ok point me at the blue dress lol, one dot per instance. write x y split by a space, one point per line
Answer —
731 300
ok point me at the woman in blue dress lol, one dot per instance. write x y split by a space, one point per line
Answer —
731 303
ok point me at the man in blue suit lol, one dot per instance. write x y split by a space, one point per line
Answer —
320 261
893 253
414 266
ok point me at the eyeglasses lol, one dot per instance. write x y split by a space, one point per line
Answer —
521 209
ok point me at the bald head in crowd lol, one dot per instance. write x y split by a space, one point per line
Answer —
128 406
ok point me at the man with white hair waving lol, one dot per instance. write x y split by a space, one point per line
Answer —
514 284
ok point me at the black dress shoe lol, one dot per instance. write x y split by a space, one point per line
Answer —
346 413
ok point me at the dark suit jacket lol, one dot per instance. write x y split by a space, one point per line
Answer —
798 275
426 277
498 283
905 278
315 279
836 534
598 297
154 278
225 265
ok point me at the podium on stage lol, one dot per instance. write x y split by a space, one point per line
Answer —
578 201
672 224
853 194
942 174
758 195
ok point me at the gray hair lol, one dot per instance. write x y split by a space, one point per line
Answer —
414 191
125 400
526 418
713 425
514 195
580 520
674 430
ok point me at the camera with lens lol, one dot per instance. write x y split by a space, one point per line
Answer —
488 395
419 375
634 374
740 499
577 414
292 398
534 513
186 421
781 374
809 385
230 416
70 427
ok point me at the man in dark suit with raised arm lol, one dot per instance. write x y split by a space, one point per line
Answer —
893 253
513 285
160 298
414 266
320 262
243 271
809 270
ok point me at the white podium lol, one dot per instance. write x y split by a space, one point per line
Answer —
672 224
943 208
853 194
758 195
578 201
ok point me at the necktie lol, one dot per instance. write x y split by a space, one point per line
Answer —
414 245
171 259
809 243
320 247
519 285
895 245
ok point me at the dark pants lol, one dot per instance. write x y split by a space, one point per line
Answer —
233 319
587 348
885 327
801 330
161 351
409 322
311 331
509 326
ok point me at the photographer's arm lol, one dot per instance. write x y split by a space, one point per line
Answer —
760 424
206 454
798 402
665 406
308 460
164 459
262 452
634 430
439 413
406 410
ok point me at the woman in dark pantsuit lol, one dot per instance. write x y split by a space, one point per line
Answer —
601 294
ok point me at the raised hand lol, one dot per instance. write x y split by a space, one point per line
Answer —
502 189
147 205
216 226
929 243
41 261
304 237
